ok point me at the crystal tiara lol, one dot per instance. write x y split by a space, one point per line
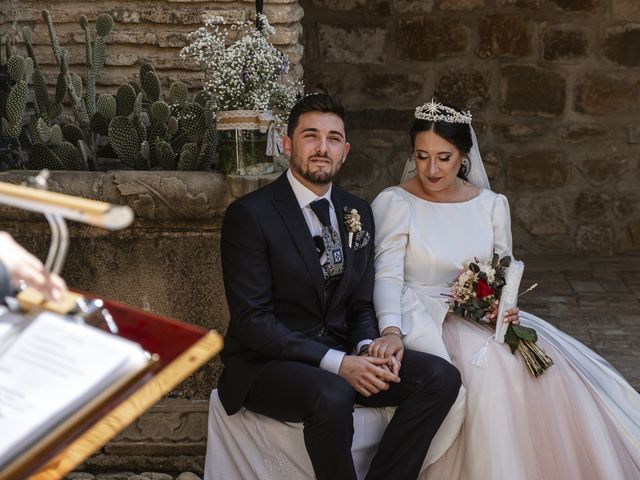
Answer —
433 111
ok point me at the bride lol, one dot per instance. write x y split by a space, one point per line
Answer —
580 419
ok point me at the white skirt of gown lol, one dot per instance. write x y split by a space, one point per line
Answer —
579 420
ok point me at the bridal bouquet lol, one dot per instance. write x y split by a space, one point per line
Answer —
476 289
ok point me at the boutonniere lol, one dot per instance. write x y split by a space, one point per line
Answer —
352 221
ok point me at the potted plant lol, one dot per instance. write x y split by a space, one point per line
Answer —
247 76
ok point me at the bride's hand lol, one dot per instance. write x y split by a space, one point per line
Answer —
510 316
388 345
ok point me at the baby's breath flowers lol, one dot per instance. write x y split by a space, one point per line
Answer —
246 72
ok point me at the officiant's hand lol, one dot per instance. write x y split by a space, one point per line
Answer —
510 316
366 374
23 267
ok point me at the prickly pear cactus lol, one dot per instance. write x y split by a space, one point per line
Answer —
125 100
123 137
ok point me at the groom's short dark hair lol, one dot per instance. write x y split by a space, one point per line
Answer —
316 102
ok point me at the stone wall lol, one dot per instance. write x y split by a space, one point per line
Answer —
554 87
153 30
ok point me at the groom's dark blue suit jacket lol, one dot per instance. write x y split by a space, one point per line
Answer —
275 288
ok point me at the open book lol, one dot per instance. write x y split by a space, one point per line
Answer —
509 296
51 371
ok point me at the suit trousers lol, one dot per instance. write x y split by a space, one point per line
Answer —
293 391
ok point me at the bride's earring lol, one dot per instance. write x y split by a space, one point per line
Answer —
465 162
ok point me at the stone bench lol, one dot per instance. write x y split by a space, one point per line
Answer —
248 446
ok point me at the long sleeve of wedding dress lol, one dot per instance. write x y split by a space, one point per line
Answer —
392 231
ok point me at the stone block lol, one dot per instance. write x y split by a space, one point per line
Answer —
633 234
565 43
392 87
626 205
601 169
634 133
592 206
519 3
351 44
543 169
339 5
503 36
626 10
188 476
464 88
519 132
586 286
346 86
412 6
423 38
578 133
587 6
532 91
460 5
155 476
601 93
595 239
621 45
542 215
380 119
494 165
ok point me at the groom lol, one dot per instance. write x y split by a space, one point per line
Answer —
297 260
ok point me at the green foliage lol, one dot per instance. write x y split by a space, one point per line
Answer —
125 100
104 25
99 124
40 131
124 139
106 105
179 93
17 102
56 135
142 162
17 68
136 124
150 84
72 133
159 112
165 155
42 156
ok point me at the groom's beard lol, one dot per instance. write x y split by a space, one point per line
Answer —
318 177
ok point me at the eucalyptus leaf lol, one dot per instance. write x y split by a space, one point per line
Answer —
525 333
511 339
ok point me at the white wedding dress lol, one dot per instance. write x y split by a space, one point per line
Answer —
580 420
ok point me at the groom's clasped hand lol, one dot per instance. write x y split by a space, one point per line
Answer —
369 375
379 365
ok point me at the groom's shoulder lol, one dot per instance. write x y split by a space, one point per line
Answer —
260 196
351 200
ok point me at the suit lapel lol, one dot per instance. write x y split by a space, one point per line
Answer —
286 204
347 253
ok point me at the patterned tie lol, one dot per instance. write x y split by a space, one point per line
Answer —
333 267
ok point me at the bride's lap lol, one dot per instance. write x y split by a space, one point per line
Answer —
518 426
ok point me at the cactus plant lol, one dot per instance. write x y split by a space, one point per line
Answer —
149 82
96 54
124 139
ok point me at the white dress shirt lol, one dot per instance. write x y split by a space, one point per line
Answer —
333 358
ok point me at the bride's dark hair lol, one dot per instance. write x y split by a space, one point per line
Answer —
459 134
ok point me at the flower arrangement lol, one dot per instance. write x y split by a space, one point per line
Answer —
477 289
248 73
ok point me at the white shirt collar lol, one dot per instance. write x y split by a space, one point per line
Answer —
303 194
